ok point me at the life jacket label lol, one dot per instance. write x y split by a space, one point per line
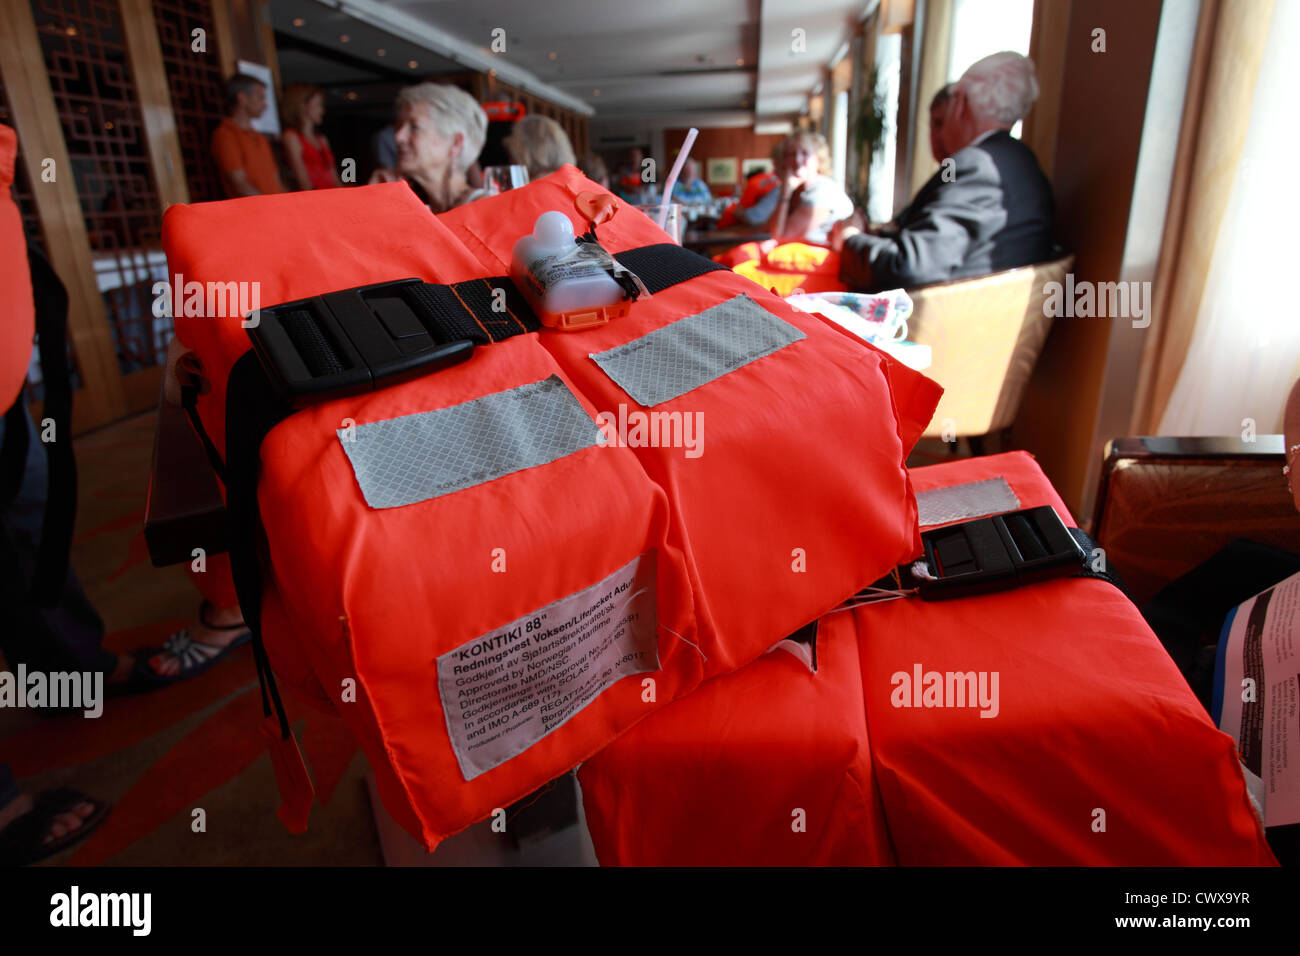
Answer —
506 690
401 461
683 355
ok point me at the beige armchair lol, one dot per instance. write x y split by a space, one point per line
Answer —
985 335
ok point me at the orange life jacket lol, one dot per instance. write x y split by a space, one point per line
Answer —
483 627
1092 713
17 316
788 268
755 189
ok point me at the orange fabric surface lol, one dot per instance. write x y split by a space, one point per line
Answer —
235 148
375 596
768 766
215 583
1092 715
17 313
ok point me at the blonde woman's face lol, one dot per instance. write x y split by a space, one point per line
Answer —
421 146
315 109
800 159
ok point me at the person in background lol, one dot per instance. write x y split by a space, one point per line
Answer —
243 155
939 147
810 201
306 148
440 132
757 202
988 208
383 147
628 185
690 188
593 167
539 144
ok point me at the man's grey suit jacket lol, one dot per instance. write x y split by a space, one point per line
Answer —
996 213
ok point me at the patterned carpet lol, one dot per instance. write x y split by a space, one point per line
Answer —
160 757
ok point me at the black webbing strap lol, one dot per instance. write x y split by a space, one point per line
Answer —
663 265
253 408
1095 563
51 569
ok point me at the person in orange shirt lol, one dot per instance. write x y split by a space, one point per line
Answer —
243 154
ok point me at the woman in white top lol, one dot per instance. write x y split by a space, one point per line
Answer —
440 132
811 202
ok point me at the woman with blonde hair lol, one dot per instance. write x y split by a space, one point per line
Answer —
811 202
305 147
440 132
539 144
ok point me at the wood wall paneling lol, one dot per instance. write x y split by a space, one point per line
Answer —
739 143
31 101
933 75
148 73
1047 50
1092 182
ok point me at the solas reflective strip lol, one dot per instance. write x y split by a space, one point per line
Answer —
401 461
693 351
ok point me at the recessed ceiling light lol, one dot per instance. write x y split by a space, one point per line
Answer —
352 94
552 55
381 52
71 31
740 62
108 126
595 92
298 21
412 63
344 38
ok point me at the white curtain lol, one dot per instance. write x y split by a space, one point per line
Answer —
1245 349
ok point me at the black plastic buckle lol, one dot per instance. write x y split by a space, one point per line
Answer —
998 553
350 342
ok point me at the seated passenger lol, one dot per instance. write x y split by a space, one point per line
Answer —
593 167
988 208
440 132
539 144
758 201
630 184
810 201
690 188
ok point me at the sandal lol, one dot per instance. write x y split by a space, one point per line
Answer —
195 657
22 842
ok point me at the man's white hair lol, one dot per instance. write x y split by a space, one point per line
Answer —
1000 88
453 111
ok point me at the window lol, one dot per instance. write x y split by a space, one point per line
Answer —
880 182
982 27
840 135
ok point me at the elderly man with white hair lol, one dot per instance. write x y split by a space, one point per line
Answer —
989 207
440 132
